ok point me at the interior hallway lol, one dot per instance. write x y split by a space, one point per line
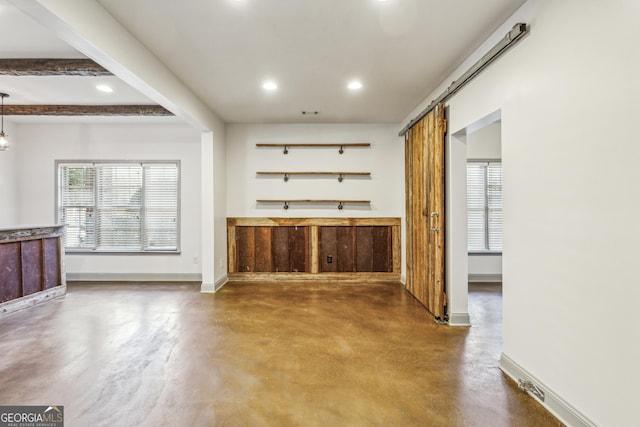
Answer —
257 354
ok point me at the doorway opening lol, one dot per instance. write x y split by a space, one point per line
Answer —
475 200
484 219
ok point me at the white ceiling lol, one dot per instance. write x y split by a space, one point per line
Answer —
224 49
22 37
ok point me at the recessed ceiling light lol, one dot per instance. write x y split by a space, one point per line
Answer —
104 88
269 85
354 85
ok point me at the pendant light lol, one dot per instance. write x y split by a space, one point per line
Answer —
4 143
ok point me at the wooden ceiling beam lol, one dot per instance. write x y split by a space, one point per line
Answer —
86 110
51 67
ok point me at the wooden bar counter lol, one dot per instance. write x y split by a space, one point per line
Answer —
31 266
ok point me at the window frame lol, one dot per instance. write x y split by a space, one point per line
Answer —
486 194
96 250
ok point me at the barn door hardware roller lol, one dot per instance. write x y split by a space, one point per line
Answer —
442 320
510 39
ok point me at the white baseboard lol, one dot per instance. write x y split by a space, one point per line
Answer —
559 407
208 288
459 319
485 278
221 282
31 300
134 277
212 288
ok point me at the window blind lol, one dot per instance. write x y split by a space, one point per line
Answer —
119 209
484 206
476 201
76 207
494 206
160 207
130 207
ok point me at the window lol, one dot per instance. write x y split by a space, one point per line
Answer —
119 207
484 206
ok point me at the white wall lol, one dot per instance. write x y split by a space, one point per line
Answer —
485 144
42 144
568 94
8 182
90 29
384 159
220 206
485 268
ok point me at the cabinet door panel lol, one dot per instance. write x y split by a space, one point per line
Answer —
280 249
364 249
31 267
382 258
262 250
51 263
299 247
327 236
345 249
245 249
11 274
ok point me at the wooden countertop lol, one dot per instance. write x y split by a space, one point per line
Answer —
30 232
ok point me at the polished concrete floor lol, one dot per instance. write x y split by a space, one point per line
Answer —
255 354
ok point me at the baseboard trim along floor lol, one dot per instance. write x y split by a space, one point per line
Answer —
31 300
212 288
489 278
208 288
552 402
134 277
459 319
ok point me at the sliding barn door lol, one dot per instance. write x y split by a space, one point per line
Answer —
424 169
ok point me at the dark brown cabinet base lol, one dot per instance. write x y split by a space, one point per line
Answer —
356 249
307 248
31 266
272 249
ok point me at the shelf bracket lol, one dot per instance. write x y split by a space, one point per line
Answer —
341 177
340 205
286 205
286 176
286 150
341 150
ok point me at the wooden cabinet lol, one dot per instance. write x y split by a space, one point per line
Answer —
11 272
308 248
31 266
355 249
271 249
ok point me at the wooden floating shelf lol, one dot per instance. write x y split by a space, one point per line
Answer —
286 202
341 146
340 175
